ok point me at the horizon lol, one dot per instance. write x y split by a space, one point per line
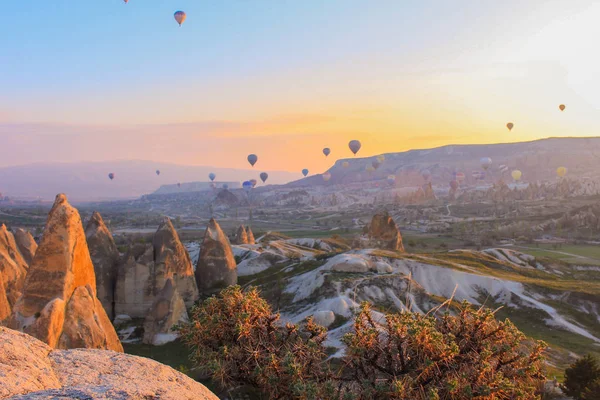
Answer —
286 80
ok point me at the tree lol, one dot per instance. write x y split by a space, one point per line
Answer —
580 375
237 339
592 392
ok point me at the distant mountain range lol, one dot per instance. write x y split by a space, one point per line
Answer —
89 181
537 160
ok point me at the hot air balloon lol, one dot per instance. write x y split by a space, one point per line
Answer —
326 176
111 176
561 107
370 168
253 182
561 171
426 174
126 1
354 146
375 164
264 176
510 126
454 184
180 17
516 175
225 186
247 185
326 151
212 176
304 172
486 162
345 164
157 172
459 176
381 158
252 159
391 179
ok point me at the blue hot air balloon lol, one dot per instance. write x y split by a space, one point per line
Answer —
247 185
252 159
212 176
304 172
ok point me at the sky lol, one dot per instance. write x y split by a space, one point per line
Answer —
105 80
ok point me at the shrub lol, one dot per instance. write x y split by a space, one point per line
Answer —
580 375
592 391
237 339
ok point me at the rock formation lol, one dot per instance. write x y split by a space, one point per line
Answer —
171 257
250 236
105 258
241 237
59 304
27 246
167 310
216 266
136 282
146 268
13 270
384 234
29 370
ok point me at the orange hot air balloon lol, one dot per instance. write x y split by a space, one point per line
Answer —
561 107
180 17
510 126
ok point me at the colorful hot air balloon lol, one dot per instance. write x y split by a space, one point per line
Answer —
180 17
126 1
454 184
326 151
381 158
326 176
354 146
459 176
157 172
252 159
253 182
345 164
391 179
304 172
561 172
247 185
561 107
111 176
264 176
510 126
212 176
486 162
516 175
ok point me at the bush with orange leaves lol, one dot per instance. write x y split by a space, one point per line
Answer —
237 339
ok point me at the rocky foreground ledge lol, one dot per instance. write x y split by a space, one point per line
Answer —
30 369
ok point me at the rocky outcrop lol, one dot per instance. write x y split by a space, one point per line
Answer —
216 265
384 234
167 310
250 236
29 369
13 270
146 268
59 304
26 244
136 285
173 260
241 237
105 258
